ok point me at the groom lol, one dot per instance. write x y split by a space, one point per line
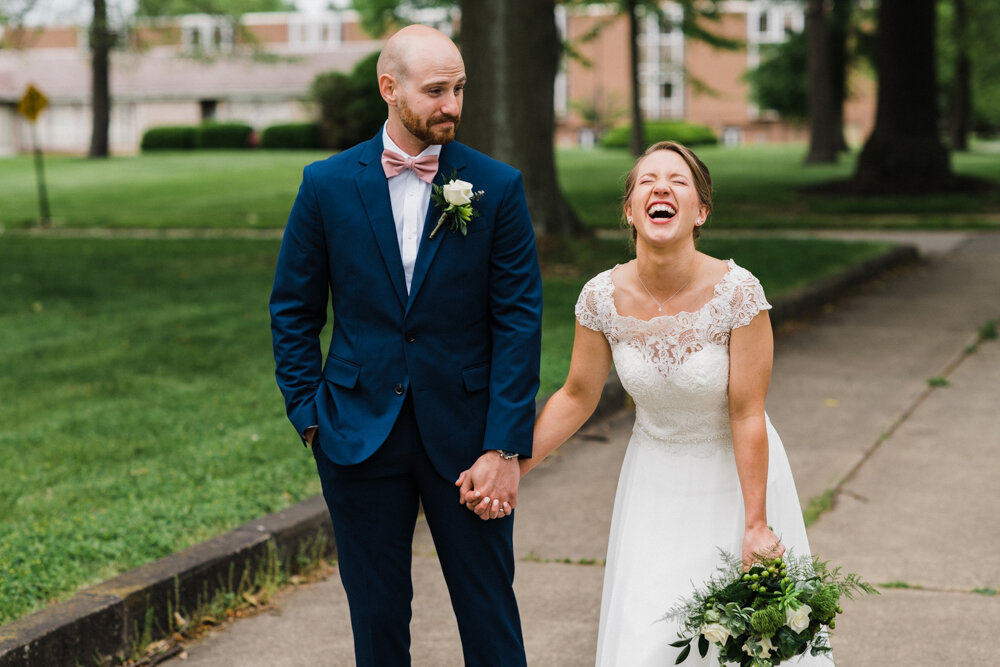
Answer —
433 363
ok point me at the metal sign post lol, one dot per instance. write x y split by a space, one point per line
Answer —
31 104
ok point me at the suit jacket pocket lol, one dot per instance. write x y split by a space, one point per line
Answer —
476 378
341 372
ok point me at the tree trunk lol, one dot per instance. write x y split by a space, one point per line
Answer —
839 27
511 52
961 91
823 139
100 101
904 154
637 136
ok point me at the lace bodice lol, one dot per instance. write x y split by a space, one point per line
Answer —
676 367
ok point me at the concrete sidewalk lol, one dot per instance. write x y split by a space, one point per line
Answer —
912 469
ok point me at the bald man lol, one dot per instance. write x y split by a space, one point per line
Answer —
433 364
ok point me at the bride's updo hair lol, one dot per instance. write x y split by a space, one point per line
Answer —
702 179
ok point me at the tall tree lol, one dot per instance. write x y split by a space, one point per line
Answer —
823 138
100 51
637 135
512 51
904 153
960 107
838 31
969 67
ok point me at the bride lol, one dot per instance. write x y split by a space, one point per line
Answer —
704 470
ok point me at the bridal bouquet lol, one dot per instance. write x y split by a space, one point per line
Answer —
764 616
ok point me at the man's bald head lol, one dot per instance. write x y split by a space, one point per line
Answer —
412 44
421 77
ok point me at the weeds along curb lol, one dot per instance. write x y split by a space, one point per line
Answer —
107 621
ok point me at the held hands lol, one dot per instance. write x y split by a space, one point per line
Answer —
760 543
489 487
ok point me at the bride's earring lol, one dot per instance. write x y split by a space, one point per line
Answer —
629 218
698 221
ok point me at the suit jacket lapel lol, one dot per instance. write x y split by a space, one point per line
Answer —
448 162
373 190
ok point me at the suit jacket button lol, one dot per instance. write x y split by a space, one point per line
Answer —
398 389
410 336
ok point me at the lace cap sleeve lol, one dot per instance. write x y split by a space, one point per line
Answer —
592 306
746 296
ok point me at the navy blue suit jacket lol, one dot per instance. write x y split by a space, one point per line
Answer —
465 341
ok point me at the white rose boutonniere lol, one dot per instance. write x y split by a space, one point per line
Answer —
455 199
457 193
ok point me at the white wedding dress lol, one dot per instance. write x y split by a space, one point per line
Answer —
678 499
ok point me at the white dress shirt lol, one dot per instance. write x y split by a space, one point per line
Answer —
410 197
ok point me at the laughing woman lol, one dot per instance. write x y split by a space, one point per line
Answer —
704 470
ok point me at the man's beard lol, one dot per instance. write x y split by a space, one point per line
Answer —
429 131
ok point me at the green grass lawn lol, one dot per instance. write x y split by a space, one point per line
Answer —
759 187
137 400
214 189
755 187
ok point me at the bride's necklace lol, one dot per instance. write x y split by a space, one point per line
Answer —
659 304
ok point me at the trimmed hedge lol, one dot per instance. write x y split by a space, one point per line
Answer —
169 138
223 135
206 135
291 136
689 134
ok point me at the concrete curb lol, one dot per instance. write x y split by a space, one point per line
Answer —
810 299
109 619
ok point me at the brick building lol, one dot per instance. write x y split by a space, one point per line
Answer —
188 69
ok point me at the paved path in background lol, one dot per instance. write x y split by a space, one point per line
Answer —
914 469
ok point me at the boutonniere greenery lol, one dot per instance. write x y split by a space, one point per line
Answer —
455 199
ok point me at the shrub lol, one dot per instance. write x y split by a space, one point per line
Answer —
689 134
223 135
291 135
169 138
351 108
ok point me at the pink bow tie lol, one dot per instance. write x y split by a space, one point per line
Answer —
425 166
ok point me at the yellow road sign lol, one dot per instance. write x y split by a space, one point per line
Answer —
32 103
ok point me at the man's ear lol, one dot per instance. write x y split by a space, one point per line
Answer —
387 88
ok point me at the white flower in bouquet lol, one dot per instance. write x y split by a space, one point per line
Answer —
766 647
774 611
715 632
798 619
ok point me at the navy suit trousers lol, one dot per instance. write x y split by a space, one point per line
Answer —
374 507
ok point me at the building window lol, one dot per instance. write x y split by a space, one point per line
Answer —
661 63
202 33
209 109
314 33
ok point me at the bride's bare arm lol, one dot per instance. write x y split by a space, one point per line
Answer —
569 408
751 353
565 411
